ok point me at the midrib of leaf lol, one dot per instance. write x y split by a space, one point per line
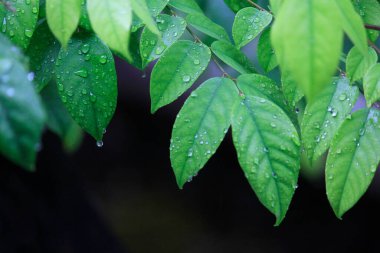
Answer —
113 25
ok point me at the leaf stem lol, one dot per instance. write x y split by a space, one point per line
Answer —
258 6
372 27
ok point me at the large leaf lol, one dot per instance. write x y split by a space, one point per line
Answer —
207 26
63 18
232 57
201 126
178 68
152 46
87 84
266 56
323 117
371 83
21 113
186 6
358 64
268 150
307 37
141 9
112 21
353 159
19 19
249 22
43 51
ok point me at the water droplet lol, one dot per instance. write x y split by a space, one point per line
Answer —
85 48
103 59
82 73
342 97
99 144
28 33
186 78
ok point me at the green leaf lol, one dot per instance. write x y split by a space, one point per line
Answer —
325 115
358 64
371 84
42 52
87 84
63 18
21 113
249 22
112 21
141 9
352 160
155 7
232 57
151 46
207 26
293 94
84 21
266 56
275 5
352 24
201 126
186 6
19 19
307 37
369 10
236 5
268 150
179 67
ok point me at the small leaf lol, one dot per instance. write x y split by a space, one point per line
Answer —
236 5
353 160
151 46
63 18
207 26
371 84
42 52
141 9
19 19
268 150
358 64
87 84
323 117
179 67
232 57
21 114
201 126
293 94
266 56
155 8
187 6
249 22
112 21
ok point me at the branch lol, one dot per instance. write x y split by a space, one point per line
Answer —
372 27
258 6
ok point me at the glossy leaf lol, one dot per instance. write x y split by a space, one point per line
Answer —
178 68
155 8
307 37
84 21
152 46
87 84
141 9
117 15
266 56
371 84
186 6
232 57
21 114
268 150
323 117
249 22
19 20
358 64
293 94
201 126
207 26
43 52
353 160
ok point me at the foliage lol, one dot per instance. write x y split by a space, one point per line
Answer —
57 71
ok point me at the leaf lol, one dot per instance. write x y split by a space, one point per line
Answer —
369 10
325 115
266 56
155 7
186 6
43 52
236 5
352 160
307 38
112 21
268 150
21 113
63 18
293 94
87 84
371 84
207 26
232 57
358 64
179 67
141 9
19 19
151 46
352 24
84 21
201 126
249 22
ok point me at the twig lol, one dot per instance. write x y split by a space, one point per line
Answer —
372 27
8 5
258 6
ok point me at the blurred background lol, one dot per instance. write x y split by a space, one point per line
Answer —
123 197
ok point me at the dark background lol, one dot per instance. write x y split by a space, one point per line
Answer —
123 197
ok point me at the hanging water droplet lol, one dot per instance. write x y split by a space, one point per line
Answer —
99 144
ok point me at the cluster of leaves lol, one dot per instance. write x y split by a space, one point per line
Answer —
57 69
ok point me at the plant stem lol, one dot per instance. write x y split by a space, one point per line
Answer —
372 27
